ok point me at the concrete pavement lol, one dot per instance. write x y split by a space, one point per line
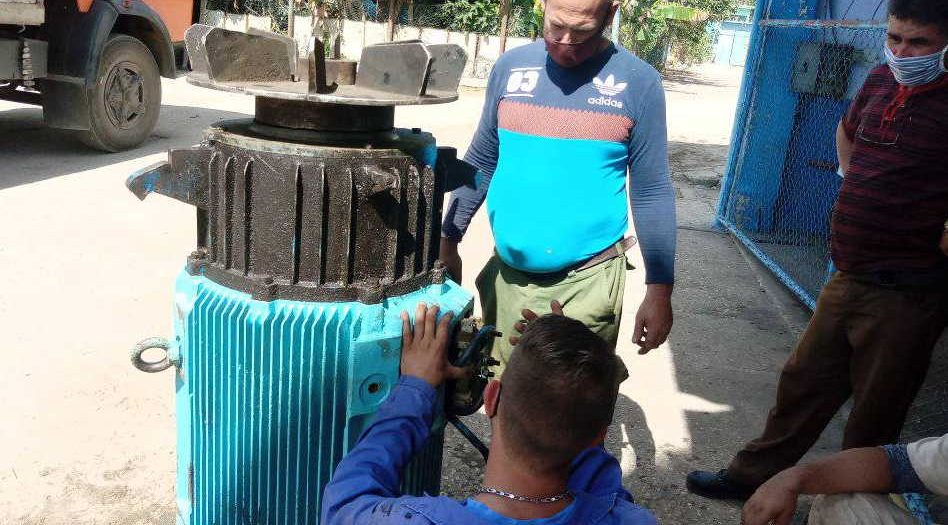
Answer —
88 271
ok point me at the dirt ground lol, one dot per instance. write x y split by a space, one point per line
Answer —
88 271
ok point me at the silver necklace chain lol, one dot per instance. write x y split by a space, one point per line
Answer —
526 499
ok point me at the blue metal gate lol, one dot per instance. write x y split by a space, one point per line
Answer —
781 181
730 47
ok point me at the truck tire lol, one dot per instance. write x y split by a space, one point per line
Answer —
125 102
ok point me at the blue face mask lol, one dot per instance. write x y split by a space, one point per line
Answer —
916 71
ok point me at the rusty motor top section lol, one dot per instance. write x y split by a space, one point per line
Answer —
318 197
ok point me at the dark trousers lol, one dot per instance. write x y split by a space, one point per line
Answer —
867 341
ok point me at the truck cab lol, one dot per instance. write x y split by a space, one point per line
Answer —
95 66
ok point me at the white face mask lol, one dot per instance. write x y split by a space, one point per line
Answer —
916 71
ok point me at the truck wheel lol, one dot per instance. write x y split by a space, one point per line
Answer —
126 98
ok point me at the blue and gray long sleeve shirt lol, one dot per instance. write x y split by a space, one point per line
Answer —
558 150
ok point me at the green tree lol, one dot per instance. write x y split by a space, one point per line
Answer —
483 16
653 28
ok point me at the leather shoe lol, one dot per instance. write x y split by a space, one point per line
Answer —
717 485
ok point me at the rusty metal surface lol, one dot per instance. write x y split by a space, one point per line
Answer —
308 222
291 50
182 177
447 65
343 95
297 114
243 57
261 64
341 72
324 138
316 70
399 68
318 198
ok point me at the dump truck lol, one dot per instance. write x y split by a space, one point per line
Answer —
95 66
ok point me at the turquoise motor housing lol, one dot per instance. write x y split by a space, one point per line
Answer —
272 394
311 242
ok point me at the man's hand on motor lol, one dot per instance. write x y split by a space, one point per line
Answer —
653 320
529 315
424 348
448 253
774 502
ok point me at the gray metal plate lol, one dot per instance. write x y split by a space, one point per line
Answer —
447 65
234 56
194 43
399 68
263 64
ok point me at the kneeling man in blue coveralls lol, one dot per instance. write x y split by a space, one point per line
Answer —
549 414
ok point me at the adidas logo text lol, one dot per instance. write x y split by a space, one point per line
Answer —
605 101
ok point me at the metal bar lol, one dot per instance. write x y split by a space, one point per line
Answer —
247 206
823 24
470 436
771 265
752 66
317 68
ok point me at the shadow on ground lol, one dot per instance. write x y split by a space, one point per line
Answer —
684 81
708 161
727 345
42 153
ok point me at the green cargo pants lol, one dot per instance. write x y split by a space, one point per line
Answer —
593 296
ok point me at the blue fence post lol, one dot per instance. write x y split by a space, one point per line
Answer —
754 52
765 9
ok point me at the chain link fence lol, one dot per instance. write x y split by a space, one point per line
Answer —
474 16
783 181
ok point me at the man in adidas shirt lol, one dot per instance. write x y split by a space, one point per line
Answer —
571 126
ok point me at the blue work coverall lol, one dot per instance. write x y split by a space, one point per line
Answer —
365 485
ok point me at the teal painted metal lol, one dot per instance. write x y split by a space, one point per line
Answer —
271 395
